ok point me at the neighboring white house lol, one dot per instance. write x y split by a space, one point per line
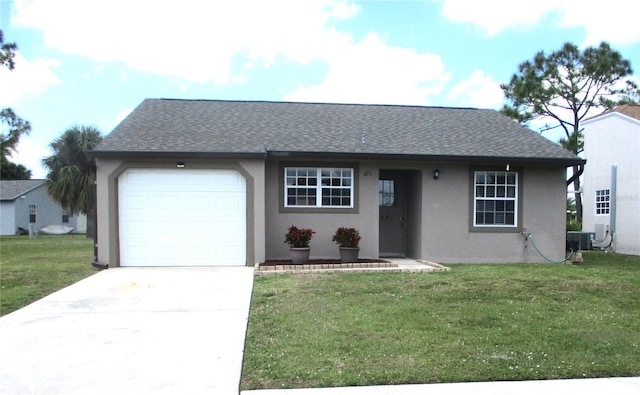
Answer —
611 199
24 202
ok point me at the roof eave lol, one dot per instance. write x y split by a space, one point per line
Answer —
336 155
430 158
176 154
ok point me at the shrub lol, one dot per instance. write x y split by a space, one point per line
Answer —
298 238
347 237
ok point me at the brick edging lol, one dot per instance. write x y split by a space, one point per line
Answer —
320 266
388 267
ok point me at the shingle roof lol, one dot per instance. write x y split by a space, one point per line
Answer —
168 126
630 110
12 189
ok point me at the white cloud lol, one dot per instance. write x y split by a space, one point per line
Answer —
495 16
615 22
121 116
372 72
27 78
107 125
193 39
479 90
30 154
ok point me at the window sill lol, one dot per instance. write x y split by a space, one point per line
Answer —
495 229
319 210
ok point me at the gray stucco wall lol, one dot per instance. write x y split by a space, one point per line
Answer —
326 223
446 216
414 216
438 222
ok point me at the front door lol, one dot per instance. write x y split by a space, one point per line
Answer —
392 188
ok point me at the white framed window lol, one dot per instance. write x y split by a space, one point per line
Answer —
495 199
318 187
603 204
33 210
65 217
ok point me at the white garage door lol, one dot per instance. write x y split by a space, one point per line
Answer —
182 217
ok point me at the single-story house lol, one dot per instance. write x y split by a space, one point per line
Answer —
205 182
24 202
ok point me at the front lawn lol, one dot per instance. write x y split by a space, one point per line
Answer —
474 323
33 268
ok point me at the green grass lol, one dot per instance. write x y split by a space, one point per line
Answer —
474 323
33 268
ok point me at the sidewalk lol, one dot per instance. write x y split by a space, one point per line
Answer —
617 386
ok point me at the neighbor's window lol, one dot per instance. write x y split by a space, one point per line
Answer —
602 201
65 217
318 187
495 198
32 213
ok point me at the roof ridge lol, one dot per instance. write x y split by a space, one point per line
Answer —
323 103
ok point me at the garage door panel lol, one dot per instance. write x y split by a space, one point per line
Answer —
182 217
228 203
169 203
229 230
134 203
201 228
225 253
151 256
133 229
229 182
203 202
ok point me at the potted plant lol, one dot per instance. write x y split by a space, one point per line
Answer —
348 239
298 240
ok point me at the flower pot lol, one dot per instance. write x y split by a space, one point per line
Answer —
300 256
349 254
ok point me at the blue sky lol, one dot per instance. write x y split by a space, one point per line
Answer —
85 62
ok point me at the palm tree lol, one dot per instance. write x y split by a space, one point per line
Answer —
71 176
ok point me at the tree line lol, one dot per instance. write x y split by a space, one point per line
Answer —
70 170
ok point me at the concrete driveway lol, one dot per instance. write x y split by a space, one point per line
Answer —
131 331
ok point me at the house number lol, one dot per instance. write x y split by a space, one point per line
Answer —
367 173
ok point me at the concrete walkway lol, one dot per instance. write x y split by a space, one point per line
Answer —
131 331
617 386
